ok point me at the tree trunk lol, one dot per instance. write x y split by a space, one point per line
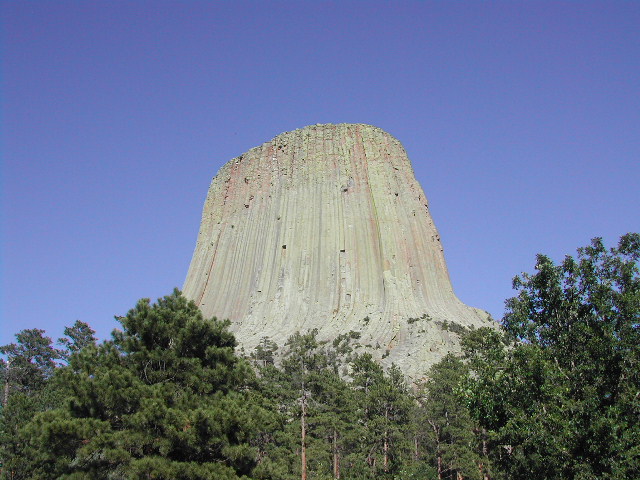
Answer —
386 453
336 457
485 453
485 450
386 443
5 398
436 432
303 451
483 474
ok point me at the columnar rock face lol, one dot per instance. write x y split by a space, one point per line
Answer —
326 227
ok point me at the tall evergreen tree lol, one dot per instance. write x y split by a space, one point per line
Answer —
302 359
30 362
27 389
80 335
316 404
166 398
450 429
385 407
264 353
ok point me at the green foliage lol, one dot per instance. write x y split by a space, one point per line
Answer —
413 320
27 389
553 396
30 362
78 336
384 406
166 398
316 403
454 327
450 431
264 353
562 402
332 426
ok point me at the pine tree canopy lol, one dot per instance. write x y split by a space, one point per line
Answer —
164 399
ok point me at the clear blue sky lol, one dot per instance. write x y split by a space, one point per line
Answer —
522 120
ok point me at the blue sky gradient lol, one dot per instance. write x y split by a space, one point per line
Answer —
521 119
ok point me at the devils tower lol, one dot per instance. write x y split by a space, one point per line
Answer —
326 227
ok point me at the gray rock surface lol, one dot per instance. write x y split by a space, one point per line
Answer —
326 227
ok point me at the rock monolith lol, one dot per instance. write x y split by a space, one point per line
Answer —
326 227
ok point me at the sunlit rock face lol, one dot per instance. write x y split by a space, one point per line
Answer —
326 227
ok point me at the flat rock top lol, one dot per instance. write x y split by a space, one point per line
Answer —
326 227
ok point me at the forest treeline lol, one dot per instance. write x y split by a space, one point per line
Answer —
554 394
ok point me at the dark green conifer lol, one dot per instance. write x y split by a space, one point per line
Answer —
448 426
77 337
166 398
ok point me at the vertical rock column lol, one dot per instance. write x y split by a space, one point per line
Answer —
326 227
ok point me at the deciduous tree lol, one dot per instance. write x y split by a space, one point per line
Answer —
563 402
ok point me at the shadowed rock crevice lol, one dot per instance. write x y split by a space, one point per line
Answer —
321 228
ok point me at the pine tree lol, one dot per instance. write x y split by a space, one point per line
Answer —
316 406
166 398
28 388
450 428
385 407
30 363
78 336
